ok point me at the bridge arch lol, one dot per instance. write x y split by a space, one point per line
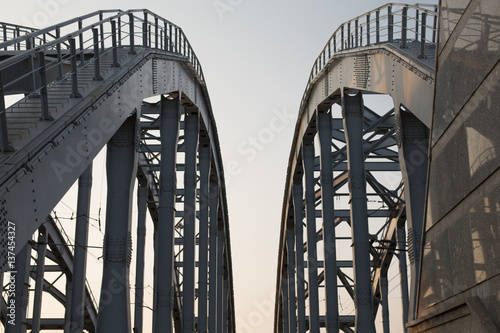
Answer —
86 81
341 196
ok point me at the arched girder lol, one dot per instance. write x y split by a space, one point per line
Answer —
381 68
46 160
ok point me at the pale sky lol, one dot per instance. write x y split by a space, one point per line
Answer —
256 57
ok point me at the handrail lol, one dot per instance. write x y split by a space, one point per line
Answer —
378 26
97 37
15 30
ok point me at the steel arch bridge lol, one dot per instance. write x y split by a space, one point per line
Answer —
354 197
85 83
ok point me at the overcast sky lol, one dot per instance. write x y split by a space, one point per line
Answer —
256 57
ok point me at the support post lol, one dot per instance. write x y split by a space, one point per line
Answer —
121 166
377 27
342 45
285 301
214 208
191 129
114 43
145 34
225 296
101 29
422 38
368 29
131 33
43 88
203 234
352 112
119 31
80 39
384 291
312 259
413 145
390 23
74 79
80 253
324 124
164 257
292 316
403 275
404 29
59 55
220 278
40 266
142 201
299 251
97 67
156 32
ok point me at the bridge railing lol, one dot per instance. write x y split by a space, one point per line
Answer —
12 31
396 23
66 48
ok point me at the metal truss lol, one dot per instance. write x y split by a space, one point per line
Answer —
355 189
85 82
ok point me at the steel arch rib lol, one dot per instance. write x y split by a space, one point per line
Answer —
380 68
47 162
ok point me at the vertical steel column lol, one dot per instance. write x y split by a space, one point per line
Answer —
191 129
285 300
156 32
131 33
292 317
69 306
225 296
164 256
80 39
97 67
349 37
298 207
40 266
384 292
423 37
390 24
121 166
352 112
80 254
43 88
342 46
101 29
413 145
60 70
404 29
114 44
214 208
142 201
324 124
220 278
312 260
18 301
119 31
368 29
74 75
403 275
203 235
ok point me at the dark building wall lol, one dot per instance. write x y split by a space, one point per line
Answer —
460 276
